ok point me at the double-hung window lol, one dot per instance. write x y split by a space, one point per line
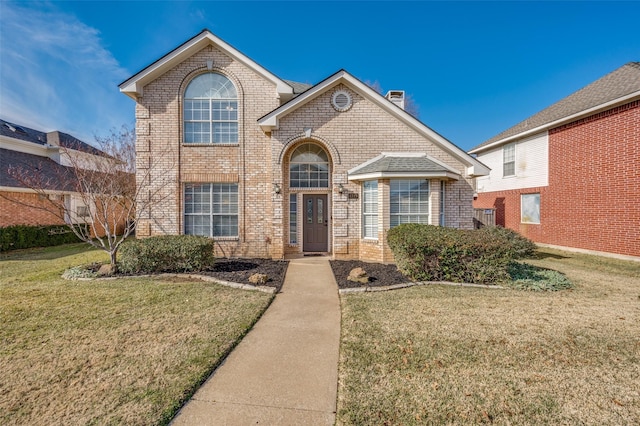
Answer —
409 201
509 160
370 209
211 209
211 110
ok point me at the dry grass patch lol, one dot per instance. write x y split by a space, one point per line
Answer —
123 351
451 355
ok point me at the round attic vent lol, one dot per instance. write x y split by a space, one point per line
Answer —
341 100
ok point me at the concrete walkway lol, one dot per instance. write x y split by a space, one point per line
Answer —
285 371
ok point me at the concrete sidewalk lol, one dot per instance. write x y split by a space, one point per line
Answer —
285 371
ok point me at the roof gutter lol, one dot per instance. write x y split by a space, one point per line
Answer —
556 123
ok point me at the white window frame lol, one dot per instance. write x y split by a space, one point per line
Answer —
293 219
509 159
221 111
442 210
370 210
529 216
309 173
411 207
221 206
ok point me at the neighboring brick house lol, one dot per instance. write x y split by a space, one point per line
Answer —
24 151
568 176
270 167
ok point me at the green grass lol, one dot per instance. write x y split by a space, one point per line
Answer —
120 351
454 355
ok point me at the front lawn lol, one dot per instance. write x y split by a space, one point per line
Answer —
452 355
119 351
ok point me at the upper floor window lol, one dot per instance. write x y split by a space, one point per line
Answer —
309 167
509 160
211 110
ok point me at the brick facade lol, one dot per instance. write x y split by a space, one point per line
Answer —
260 159
20 208
591 202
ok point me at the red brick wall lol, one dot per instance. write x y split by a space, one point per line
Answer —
592 201
12 212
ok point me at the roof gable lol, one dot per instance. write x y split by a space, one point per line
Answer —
619 86
402 165
271 120
133 86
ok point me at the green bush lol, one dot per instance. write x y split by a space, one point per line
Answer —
533 278
519 246
26 236
433 253
167 253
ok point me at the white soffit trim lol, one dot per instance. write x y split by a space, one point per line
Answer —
397 175
270 121
26 146
132 87
560 121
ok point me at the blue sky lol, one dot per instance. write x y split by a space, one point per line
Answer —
473 68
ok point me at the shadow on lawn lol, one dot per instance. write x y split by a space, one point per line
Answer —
543 255
47 253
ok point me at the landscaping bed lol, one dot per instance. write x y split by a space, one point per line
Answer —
240 270
380 275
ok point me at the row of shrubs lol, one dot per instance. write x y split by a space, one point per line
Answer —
167 253
24 236
433 253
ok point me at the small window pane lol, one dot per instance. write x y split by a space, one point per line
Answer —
370 209
530 208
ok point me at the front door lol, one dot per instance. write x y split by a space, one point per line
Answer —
316 223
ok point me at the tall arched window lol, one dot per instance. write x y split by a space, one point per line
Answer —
211 110
309 167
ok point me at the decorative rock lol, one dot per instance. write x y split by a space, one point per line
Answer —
258 279
358 275
104 270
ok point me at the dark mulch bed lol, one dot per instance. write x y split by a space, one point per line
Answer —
379 274
239 270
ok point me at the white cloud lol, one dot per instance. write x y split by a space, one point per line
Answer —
56 74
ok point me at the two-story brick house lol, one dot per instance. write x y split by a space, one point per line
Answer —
568 175
270 167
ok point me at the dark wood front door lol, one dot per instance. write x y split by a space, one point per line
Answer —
316 223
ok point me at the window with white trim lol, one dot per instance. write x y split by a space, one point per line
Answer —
309 167
211 110
409 201
530 208
293 218
441 203
211 209
370 209
509 160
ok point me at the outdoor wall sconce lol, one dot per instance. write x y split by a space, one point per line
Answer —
340 189
276 188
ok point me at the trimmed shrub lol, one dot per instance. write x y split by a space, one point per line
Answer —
519 246
433 253
166 253
25 236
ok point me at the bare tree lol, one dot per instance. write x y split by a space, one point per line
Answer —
410 104
94 187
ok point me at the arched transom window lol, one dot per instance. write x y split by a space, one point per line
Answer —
309 167
211 110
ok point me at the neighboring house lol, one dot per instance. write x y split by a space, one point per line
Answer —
568 176
270 167
25 153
